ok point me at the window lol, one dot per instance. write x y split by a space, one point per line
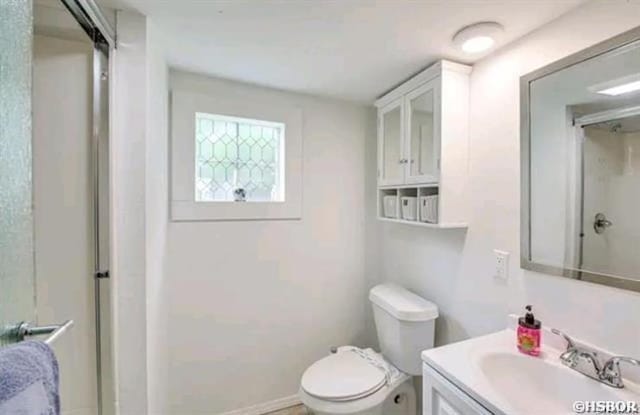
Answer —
230 143
238 159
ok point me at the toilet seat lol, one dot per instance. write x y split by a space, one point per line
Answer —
347 375
381 402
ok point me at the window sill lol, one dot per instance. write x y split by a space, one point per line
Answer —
190 211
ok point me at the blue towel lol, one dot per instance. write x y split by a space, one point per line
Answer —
29 380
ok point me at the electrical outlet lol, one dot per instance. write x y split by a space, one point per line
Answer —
502 265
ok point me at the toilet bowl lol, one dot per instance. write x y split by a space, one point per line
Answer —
358 381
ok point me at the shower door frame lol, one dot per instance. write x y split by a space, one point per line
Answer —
90 17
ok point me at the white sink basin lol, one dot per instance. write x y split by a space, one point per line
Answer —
522 380
494 373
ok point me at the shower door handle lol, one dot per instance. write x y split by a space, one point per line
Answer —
601 223
100 275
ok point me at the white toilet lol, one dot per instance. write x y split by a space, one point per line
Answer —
362 382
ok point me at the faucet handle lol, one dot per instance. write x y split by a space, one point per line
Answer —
611 373
570 345
617 359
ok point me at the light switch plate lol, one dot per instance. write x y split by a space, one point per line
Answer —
502 265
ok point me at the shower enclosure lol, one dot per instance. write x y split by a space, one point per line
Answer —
609 149
54 189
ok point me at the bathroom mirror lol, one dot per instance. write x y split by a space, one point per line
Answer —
580 132
423 151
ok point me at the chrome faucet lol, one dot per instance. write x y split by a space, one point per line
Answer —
586 362
579 359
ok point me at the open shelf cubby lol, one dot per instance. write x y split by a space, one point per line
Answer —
409 205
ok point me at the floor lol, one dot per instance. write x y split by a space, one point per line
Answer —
294 410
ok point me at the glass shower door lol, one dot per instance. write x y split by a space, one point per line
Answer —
610 228
17 299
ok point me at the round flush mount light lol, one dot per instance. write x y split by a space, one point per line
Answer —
478 37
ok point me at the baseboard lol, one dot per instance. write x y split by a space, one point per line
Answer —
267 407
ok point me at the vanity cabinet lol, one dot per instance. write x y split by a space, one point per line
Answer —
441 397
423 146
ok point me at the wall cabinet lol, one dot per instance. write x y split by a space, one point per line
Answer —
441 397
409 138
423 144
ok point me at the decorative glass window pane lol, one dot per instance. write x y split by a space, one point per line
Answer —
238 159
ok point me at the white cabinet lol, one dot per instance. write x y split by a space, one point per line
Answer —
441 397
423 144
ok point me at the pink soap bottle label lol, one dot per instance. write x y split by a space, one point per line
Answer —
529 340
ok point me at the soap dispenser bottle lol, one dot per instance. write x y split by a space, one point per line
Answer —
529 333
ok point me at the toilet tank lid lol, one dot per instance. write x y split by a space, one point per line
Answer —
402 303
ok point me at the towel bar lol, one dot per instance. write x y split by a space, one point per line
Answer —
22 330
59 330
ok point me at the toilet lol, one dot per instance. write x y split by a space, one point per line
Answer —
358 381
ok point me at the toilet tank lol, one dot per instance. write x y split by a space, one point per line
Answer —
405 323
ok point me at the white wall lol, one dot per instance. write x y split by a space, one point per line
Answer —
157 214
553 172
455 268
128 191
140 216
252 304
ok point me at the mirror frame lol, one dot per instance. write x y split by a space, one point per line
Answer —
526 262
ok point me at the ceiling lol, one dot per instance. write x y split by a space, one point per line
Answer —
576 86
349 49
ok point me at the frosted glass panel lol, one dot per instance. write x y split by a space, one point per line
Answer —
16 222
238 159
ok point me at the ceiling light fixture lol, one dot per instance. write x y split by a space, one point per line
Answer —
478 37
618 86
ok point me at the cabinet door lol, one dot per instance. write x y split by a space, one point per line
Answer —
422 135
391 162
441 397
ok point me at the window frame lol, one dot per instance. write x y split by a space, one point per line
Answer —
184 207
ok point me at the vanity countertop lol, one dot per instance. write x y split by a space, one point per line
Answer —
492 371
